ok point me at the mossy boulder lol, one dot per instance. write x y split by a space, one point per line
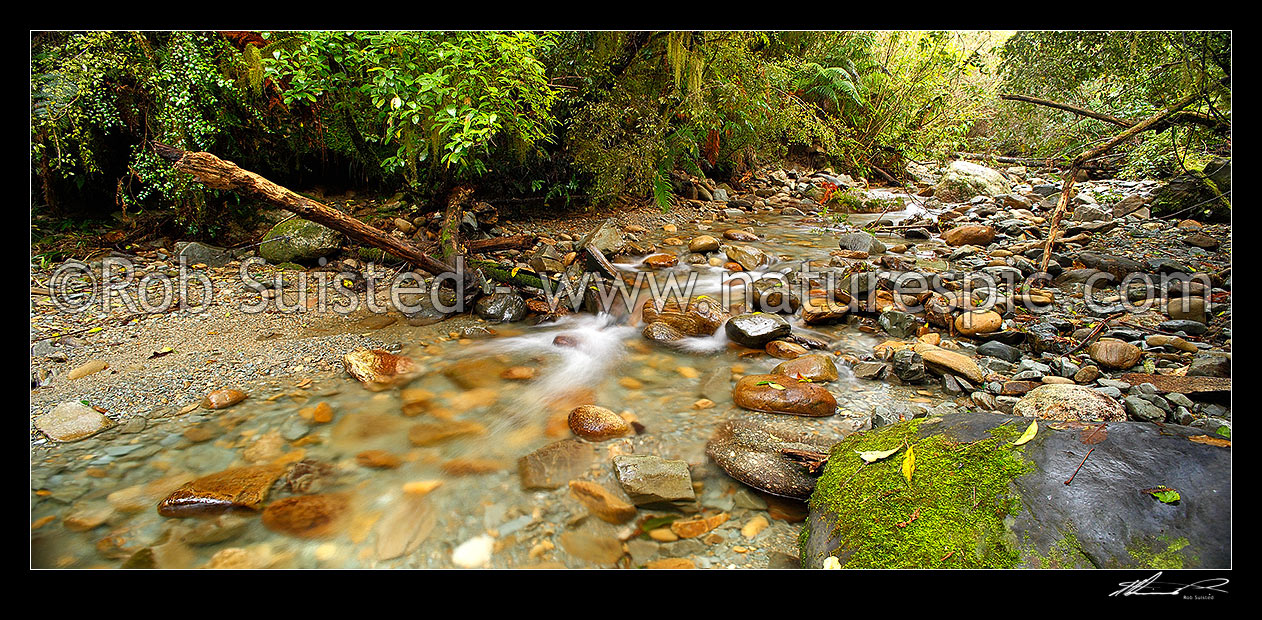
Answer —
299 240
977 501
964 180
1198 194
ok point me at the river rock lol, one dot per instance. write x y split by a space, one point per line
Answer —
650 480
758 393
756 329
602 502
86 369
965 180
702 244
734 234
378 369
72 421
700 317
597 423
203 254
942 359
785 350
1069 402
306 516
1114 353
748 257
660 331
969 234
1187 309
820 311
1210 366
908 366
220 399
221 492
752 452
974 323
299 240
814 367
1104 519
501 308
898 324
860 242
661 261
555 464
999 350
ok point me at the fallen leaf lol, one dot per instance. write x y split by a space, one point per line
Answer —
1030 432
909 463
1164 493
872 456
164 352
1213 441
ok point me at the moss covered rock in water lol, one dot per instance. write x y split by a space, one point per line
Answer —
977 501
299 240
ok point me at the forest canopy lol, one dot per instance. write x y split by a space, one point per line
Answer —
583 119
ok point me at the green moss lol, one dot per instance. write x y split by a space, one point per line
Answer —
374 255
959 494
1065 553
1162 553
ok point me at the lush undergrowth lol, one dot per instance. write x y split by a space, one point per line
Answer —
570 119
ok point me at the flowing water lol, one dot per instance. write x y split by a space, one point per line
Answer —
103 491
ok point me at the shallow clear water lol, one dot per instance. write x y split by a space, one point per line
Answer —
111 486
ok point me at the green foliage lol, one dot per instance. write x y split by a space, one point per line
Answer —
91 90
441 101
1128 75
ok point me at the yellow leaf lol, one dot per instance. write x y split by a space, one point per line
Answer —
513 274
909 463
1029 433
873 456
775 386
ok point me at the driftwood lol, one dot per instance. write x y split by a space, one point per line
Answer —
1145 125
217 173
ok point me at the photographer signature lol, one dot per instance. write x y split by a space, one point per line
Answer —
1151 586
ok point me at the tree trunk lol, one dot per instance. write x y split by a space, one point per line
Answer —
217 173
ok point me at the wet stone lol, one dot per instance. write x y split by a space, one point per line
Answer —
217 493
782 394
555 464
753 453
650 480
755 329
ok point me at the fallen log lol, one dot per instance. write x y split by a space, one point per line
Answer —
496 244
217 173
